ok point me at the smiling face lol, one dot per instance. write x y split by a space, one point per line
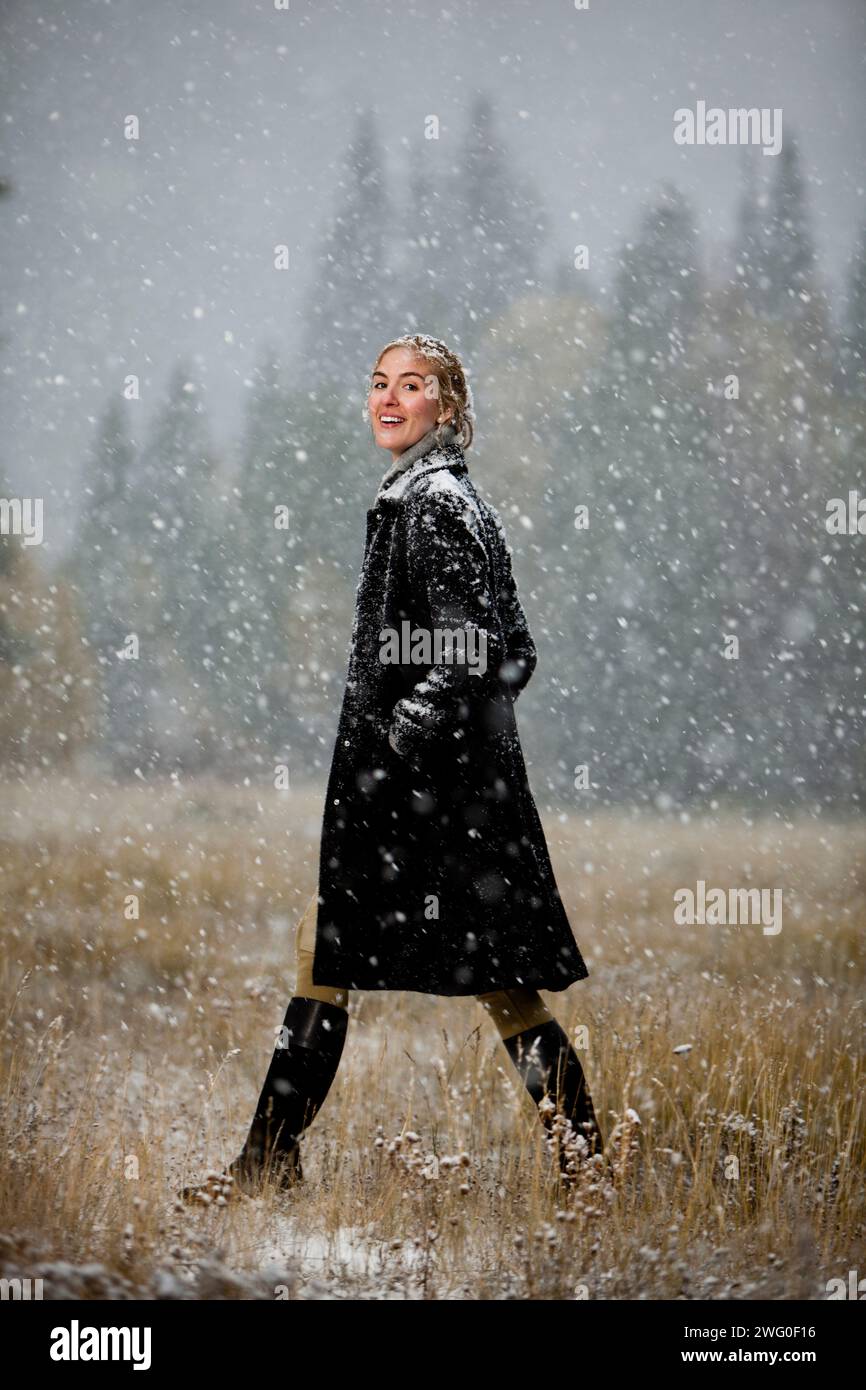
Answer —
403 403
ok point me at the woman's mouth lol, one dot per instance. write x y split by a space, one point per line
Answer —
390 422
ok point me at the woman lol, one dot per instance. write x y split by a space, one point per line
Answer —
434 873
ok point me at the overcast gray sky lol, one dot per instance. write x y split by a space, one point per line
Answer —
122 256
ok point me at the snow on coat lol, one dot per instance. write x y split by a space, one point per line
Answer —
434 873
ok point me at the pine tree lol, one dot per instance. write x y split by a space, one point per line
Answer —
750 244
99 571
174 587
499 228
426 286
350 312
790 250
648 485
658 288
262 539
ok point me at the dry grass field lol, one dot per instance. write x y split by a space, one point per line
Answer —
727 1068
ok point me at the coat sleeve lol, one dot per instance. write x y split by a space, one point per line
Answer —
449 571
520 657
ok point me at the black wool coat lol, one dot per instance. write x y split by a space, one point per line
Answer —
434 873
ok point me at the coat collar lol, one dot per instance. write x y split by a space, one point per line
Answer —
435 449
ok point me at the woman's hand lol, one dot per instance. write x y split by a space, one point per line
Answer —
409 757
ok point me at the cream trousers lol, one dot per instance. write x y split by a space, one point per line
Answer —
512 1010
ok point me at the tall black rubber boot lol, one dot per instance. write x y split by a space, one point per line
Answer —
551 1071
299 1077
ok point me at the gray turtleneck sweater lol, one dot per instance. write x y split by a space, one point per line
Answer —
425 445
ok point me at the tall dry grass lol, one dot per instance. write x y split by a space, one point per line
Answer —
726 1066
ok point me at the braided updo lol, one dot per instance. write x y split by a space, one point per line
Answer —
453 388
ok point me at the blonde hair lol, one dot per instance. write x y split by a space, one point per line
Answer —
453 389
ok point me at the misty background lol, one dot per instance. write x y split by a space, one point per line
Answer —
607 387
